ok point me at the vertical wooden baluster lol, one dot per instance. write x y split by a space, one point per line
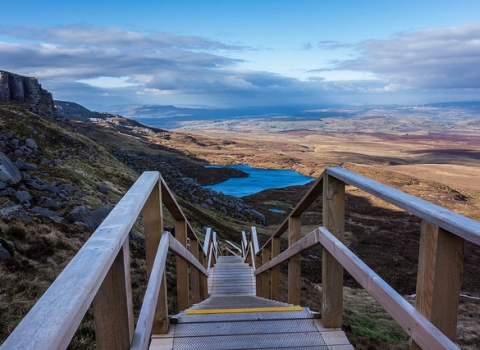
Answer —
258 278
276 270
182 267
194 273
153 229
332 271
203 278
265 275
110 307
439 278
294 234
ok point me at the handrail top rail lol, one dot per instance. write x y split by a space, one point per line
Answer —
455 223
73 290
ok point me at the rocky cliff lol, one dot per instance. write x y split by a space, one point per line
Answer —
19 88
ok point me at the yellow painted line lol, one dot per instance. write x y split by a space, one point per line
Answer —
236 311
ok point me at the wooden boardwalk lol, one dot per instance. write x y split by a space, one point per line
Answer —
234 318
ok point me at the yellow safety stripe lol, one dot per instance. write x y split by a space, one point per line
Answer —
253 309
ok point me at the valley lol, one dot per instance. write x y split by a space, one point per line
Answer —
86 149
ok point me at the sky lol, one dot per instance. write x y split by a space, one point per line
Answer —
235 53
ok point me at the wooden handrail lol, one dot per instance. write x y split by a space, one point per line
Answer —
422 331
99 274
440 264
142 334
455 223
72 292
178 249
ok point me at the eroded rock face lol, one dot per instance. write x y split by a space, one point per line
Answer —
14 87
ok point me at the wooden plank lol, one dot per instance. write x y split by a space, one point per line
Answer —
128 287
332 270
161 344
74 289
306 242
174 209
153 229
151 298
183 290
203 279
266 275
439 277
412 321
195 274
206 242
182 252
458 224
258 279
254 239
110 309
275 273
294 235
312 194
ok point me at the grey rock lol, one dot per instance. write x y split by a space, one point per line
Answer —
23 196
46 212
80 215
8 171
134 237
2 185
15 142
15 212
36 185
67 188
100 214
30 143
4 254
47 202
102 188
91 219
209 202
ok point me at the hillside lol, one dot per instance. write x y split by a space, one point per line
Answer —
73 164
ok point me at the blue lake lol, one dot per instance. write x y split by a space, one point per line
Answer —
258 180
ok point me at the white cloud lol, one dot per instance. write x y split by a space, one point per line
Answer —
443 58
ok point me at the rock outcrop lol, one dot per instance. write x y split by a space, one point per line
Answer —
19 88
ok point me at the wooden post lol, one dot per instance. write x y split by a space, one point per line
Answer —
153 229
258 278
332 270
110 308
294 235
203 279
275 287
266 274
128 287
439 278
194 273
182 267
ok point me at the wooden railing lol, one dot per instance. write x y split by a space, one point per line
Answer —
432 322
99 275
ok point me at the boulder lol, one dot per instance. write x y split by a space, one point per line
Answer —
102 188
15 212
8 171
67 188
4 254
23 196
46 212
93 219
30 143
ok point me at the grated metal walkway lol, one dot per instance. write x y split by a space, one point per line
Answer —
234 318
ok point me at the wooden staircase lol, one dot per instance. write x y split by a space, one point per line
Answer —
234 318
240 307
